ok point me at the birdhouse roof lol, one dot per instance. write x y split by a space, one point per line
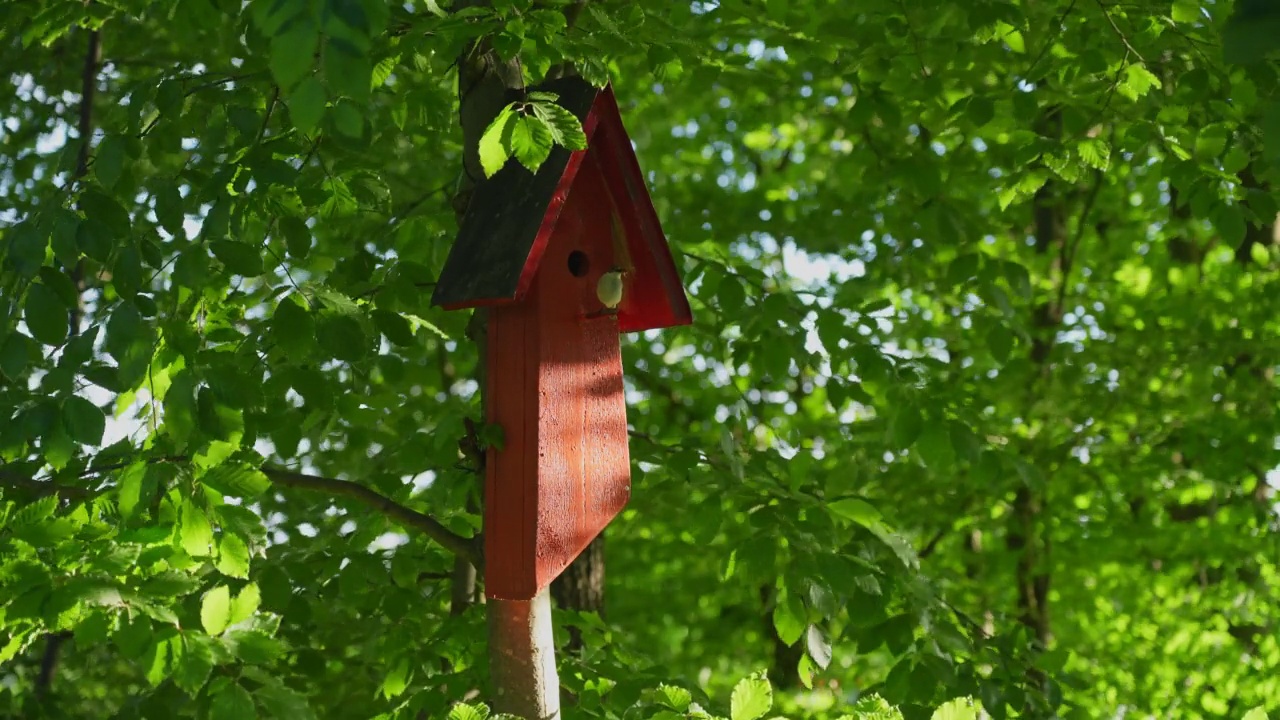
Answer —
513 214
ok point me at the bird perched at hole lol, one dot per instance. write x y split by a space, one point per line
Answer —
609 291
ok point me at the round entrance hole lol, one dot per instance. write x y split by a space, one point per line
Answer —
578 263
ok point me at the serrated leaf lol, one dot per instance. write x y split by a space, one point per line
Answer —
196 533
215 610
237 480
245 604
676 698
464 711
855 509
282 702
531 141
566 129
958 709
394 326
495 143
1095 153
752 698
233 556
193 664
84 421
232 703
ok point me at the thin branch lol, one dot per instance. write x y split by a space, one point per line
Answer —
88 86
407 517
1118 31
1068 251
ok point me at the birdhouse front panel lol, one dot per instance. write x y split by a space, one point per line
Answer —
555 386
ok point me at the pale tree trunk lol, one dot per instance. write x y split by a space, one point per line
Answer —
522 663
522 658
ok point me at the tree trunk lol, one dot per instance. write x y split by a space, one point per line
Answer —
522 660
581 588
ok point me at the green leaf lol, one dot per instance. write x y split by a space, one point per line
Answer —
1251 34
343 338
855 509
245 604
1095 153
565 128
1000 342
817 646
193 665
293 328
463 711
348 71
233 556
1230 223
16 352
84 421
279 701
240 258
108 162
307 105
958 709
26 246
46 317
395 681
297 236
180 406
676 698
1258 713
293 52
232 703
1138 81
237 480
531 141
348 119
789 618
752 698
196 533
215 610
394 326
495 143
934 446
905 426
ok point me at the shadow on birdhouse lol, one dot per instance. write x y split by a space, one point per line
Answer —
533 248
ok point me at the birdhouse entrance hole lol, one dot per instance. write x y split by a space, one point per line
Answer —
579 265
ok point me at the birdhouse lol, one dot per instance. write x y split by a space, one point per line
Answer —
533 248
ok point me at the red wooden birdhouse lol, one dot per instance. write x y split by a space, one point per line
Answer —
532 248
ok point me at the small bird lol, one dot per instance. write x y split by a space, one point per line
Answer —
609 291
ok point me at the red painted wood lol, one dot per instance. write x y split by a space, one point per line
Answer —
655 296
555 386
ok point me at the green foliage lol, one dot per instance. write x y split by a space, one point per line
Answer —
979 400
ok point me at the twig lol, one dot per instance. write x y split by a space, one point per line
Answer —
408 517
1119 32
88 86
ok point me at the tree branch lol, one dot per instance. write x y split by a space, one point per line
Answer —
407 517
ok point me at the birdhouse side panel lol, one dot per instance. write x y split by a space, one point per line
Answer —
656 298
585 469
511 473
